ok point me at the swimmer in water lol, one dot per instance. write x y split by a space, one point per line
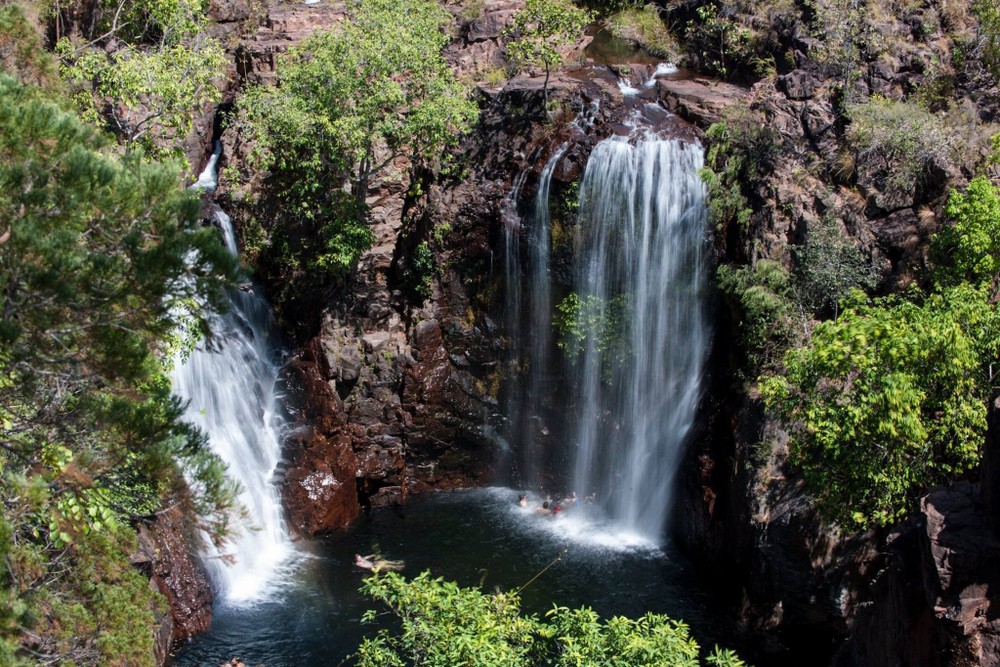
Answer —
371 562
522 500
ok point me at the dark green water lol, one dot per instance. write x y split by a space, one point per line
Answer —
472 537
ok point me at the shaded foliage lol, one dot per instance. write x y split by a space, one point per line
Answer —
102 258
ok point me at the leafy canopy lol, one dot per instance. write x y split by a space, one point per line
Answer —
443 624
101 256
142 68
541 29
349 103
887 401
969 249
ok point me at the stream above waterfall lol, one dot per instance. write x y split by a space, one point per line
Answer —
476 537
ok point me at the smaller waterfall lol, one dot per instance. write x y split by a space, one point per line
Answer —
229 383
208 179
530 331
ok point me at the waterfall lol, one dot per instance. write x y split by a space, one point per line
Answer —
532 335
639 277
229 382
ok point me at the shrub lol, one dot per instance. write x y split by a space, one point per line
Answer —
644 27
887 401
898 144
741 147
969 248
441 623
762 301
829 266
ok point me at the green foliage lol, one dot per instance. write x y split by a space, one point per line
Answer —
541 29
762 300
988 35
829 266
897 144
442 625
141 68
101 254
349 103
887 401
149 97
741 148
969 248
644 26
589 320
21 53
720 40
421 270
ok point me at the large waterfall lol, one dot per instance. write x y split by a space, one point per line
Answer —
229 382
639 279
634 351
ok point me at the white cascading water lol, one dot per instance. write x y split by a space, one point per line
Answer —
534 334
639 259
229 383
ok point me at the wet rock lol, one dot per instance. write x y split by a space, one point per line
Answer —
699 101
166 552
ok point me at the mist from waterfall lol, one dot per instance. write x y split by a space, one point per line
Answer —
230 384
639 274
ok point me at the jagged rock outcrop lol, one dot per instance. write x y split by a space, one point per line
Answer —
165 552
937 601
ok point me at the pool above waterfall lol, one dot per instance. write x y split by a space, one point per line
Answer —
478 537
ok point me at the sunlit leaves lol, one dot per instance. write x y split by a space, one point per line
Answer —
443 625
887 400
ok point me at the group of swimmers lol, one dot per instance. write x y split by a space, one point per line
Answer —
553 508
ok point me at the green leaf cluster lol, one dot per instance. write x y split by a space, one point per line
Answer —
762 300
969 249
443 624
589 320
828 266
541 29
101 255
350 104
741 147
888 400
142 68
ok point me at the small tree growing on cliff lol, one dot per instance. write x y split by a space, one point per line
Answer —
349 102
540 30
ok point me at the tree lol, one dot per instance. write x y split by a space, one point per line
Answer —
830 266
540 30
888 400
969 248
443 624
142 67
348 103
101 258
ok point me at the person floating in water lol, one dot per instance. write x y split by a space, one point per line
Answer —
522 500
375 564
544 509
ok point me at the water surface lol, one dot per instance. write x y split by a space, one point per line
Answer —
478 537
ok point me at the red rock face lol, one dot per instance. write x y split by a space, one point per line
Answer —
166 552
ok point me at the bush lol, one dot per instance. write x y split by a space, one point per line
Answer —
887 401
644 27
969 249
898 144
444 624
829 266
761 299
741 147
